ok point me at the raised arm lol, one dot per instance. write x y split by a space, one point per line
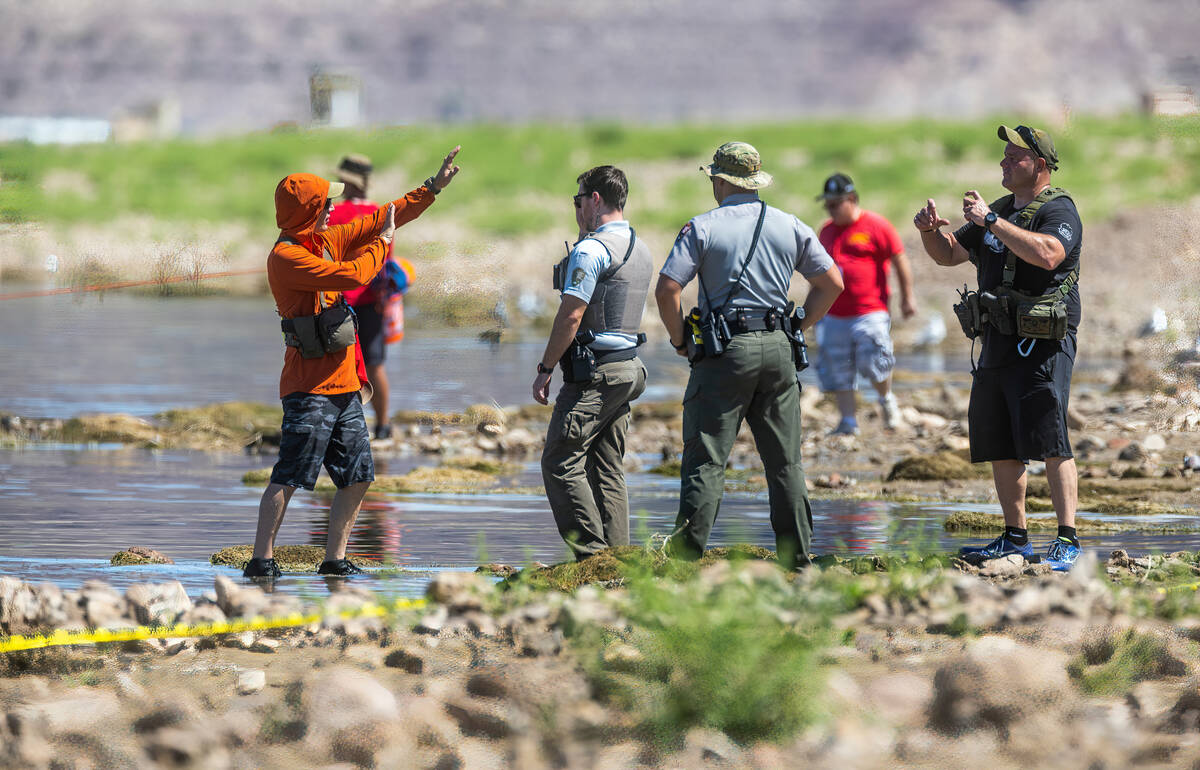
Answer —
942 248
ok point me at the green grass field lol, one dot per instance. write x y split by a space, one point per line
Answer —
518 180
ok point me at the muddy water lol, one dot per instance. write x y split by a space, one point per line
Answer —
64 510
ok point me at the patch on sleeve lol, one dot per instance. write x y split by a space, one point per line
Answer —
683 232
1065 231
577 277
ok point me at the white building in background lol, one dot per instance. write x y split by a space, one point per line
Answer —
46 130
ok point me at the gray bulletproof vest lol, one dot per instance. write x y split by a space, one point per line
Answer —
620 294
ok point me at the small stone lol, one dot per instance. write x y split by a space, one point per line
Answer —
405 660
1004 566
1154 443
265 644
251 681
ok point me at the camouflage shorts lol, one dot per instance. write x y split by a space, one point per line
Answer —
851 347
323 430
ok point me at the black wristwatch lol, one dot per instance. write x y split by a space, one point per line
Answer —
431 187
989 220
680 346
545 369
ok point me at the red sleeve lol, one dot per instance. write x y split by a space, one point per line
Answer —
360 232
297 268
889 238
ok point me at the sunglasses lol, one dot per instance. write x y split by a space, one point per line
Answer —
1026 133
579 199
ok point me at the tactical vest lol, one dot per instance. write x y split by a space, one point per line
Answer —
619 298
1024 221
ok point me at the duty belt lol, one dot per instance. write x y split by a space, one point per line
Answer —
744 320
612 356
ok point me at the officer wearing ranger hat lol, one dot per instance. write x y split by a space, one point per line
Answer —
743 254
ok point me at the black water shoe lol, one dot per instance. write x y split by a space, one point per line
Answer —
262 568
341 567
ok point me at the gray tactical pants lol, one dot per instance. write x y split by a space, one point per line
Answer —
583 462
754 380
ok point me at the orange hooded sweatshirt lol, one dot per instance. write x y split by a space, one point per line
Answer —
342 257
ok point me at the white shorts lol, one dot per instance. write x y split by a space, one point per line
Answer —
850 346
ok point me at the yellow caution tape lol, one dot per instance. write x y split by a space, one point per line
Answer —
62 637
1187 587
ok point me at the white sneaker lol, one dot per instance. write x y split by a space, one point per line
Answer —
891 411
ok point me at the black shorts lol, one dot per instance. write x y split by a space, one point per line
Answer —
1019 411
370 333
323 430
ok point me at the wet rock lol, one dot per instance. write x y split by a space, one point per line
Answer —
251 681
926 467
497 570
992 684
139 555
1134 452
157 603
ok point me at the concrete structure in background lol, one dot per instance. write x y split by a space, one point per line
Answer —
335 99
1171 100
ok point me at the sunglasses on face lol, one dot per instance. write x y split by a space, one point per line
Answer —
579 199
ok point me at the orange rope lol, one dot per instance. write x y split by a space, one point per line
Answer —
125 284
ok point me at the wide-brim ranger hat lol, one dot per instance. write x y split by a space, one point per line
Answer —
738 163
1034 139
355 169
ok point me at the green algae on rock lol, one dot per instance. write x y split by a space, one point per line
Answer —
612 566
446 479
939 466
137 555
290 558
976 521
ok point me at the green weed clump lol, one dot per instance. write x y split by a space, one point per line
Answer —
290 558
741 654
939 466
1113 666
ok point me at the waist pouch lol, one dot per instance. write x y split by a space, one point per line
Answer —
329 331
1038 317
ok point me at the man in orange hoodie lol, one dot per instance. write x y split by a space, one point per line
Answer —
323 423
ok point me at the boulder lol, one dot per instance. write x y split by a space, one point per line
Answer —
994 683
157 604
137 554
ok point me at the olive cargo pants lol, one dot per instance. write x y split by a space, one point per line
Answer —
754 380
583 461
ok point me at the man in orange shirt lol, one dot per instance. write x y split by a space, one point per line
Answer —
323 422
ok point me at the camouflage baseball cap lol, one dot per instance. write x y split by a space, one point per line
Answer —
1034 139
738 163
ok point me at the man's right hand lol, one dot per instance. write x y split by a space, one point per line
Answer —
927 219
448 170
389 224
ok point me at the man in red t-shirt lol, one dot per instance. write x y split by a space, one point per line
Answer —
855 336
354 172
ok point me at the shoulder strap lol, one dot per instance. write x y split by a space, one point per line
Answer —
1024 220
762 214
614 266
324 255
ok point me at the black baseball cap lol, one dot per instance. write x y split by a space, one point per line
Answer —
837 186
1034 139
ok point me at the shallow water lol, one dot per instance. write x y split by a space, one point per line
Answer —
68 510
65 510
140 355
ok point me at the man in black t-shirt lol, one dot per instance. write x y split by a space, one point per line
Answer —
1021 386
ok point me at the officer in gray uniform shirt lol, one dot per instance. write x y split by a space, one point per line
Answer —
744 253
604 282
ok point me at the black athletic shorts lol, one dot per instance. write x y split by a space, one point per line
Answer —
323 430
370 333
1019 411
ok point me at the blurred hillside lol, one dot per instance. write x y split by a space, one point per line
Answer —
235 66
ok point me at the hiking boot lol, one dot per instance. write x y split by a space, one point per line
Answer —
258 568
1001 546
1062 555
847 426
340 567
383 431
890 408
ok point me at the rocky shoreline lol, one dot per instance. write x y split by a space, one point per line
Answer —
901 661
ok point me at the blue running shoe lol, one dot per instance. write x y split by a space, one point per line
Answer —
1062 555
1001 546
